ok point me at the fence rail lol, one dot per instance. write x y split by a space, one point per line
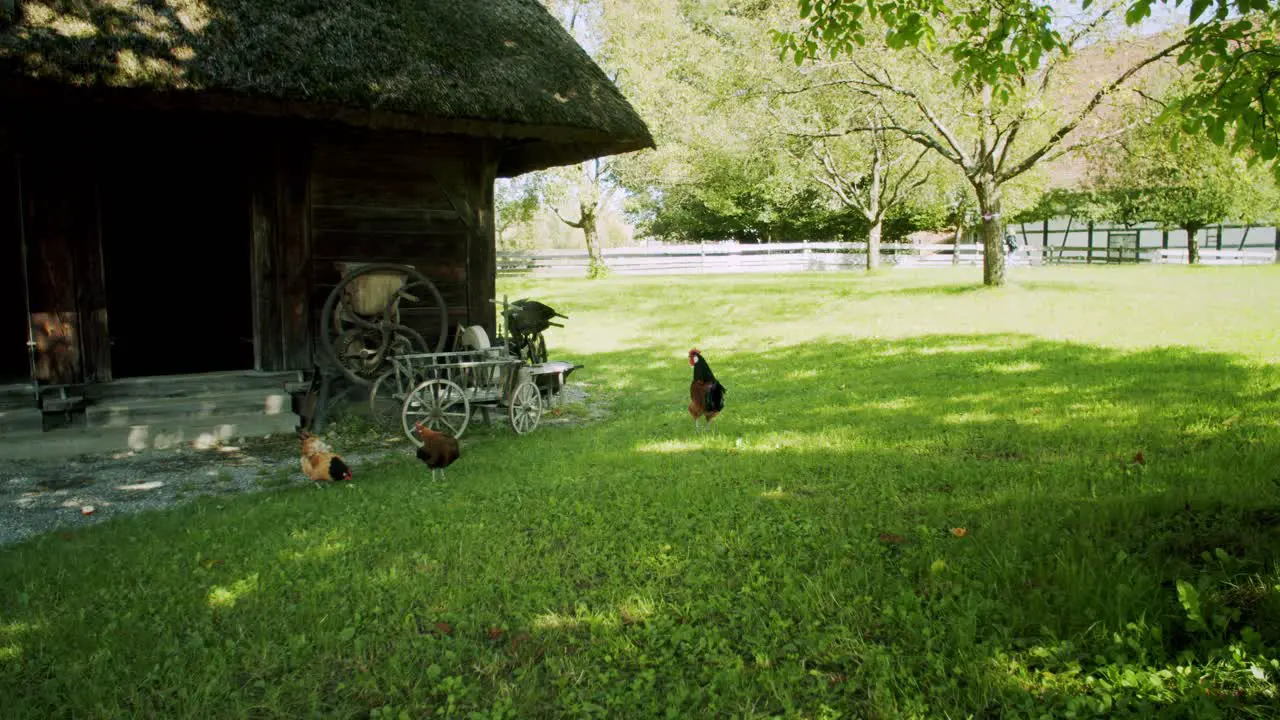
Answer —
833 256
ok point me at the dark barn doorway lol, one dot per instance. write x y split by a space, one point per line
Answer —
15 360
176 246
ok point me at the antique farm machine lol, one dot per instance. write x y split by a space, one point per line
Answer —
385 329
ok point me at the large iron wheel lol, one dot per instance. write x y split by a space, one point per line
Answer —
357 349
440 405
525 408
358 344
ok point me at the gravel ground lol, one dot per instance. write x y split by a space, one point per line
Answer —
43 496
38 497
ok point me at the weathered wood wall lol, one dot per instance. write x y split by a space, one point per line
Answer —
410 199
314 199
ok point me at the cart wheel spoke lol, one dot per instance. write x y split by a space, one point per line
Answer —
440 405
525 408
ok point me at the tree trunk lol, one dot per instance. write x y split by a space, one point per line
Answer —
873 244
595 262
959 238
988 193
1193 245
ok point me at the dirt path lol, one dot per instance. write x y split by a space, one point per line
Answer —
42 496
37 497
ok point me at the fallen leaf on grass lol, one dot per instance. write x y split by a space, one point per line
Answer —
959 532
495 633
444 628
1140 458
892 539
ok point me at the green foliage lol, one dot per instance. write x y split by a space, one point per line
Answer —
699 73
517 202
1123 205
992 47
1161 174
985 90
1235 65
728 163
694 214
796 559
1231 46
750 218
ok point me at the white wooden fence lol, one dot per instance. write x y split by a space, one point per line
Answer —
720 258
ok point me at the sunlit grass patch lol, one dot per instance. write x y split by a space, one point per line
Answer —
924 498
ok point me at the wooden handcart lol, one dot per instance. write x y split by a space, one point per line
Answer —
442 390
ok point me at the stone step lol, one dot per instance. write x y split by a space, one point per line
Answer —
124 412
73 441
28 419
18 396
189 386
62 404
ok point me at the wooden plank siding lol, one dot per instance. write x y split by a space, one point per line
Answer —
281 253
394 198
482 263
91 290
264 260
295 255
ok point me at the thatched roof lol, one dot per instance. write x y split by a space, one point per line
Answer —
501 68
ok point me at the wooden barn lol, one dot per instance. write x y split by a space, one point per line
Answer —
182 183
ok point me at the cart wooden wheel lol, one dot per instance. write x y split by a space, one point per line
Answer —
377 328
525 408
386 397
439 405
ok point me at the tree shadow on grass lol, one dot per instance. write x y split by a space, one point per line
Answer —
803 553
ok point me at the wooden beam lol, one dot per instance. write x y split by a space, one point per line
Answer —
482 264
294 217
91 291
264 248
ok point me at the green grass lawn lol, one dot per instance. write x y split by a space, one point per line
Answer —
797 561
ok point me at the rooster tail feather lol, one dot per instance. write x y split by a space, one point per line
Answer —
338 469
714 398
